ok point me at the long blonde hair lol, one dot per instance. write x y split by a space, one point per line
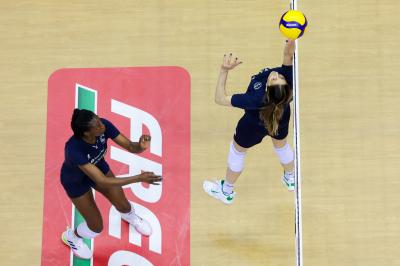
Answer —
276 98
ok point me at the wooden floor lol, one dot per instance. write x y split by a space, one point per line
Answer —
350 113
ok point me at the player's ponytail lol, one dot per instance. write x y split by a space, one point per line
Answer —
276 98
81 121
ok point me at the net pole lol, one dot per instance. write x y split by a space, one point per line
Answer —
297 162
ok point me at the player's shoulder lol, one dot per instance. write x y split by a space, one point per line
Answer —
104 120
73 144
264 71
107 123
262 74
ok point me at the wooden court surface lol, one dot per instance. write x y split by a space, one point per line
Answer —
349 64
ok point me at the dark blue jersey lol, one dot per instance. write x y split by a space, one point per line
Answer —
252 100
78 152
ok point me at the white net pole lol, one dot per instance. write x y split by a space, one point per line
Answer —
298 213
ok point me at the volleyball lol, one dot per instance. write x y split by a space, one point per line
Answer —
293 24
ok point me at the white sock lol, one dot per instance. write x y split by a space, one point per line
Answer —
227 188
84 231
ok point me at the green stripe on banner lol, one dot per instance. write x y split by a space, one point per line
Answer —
85 99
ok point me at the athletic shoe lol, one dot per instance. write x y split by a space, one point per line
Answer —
140 224
214 189
79 248
288 180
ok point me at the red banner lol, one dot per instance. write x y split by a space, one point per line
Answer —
153 100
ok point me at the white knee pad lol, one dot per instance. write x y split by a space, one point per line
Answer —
84 231
285 154
236 159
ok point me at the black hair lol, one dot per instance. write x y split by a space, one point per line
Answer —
81 121
275 94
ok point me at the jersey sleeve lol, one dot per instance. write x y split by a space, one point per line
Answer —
111 131
245 101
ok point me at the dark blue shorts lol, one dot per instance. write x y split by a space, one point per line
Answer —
76 186
250 132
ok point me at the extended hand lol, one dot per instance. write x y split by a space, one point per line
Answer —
229 62
289 48
144 141
150 178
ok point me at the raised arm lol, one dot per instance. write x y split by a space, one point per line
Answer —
221 96
288 52
133 147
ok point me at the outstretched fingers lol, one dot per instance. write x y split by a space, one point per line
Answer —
230 62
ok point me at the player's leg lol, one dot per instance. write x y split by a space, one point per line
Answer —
284 153
286 158
90 228
117 198
222 189
236 157
247 135
115 195
87 207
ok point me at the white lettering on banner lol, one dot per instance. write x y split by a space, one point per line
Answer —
138 119
127 258
152 194
136 164
135 238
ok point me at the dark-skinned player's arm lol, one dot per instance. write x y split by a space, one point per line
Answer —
133 147
100 179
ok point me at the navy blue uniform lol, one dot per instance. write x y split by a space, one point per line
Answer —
250 129
78 152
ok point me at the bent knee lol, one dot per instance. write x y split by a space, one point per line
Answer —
236 157
279 143
238 147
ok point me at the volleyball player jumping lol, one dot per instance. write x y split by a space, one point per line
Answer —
84 168
266 112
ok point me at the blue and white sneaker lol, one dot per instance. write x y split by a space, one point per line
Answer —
78 247
214 189
288 180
